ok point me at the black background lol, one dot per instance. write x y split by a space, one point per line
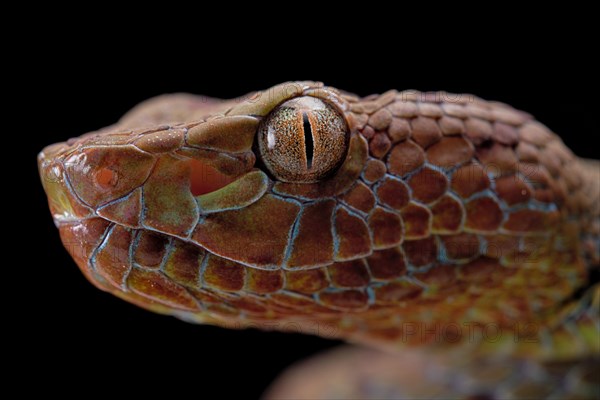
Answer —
86 336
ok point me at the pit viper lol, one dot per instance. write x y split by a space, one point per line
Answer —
455 239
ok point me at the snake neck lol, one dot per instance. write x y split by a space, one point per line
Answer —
588 215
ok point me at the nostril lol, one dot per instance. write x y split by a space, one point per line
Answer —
106 177
206 179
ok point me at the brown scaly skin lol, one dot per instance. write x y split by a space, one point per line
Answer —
447 210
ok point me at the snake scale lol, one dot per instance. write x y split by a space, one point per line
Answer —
456 238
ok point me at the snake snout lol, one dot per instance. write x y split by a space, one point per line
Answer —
64 205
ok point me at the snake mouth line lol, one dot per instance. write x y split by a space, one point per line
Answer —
206 179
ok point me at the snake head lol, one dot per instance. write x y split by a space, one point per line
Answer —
244 184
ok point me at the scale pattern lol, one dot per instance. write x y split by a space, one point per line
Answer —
447 210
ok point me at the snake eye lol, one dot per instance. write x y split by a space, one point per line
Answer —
303 140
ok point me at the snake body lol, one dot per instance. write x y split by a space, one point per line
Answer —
455 230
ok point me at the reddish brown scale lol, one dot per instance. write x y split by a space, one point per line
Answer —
349 300
360 197
430 109
155 286
125 211
402 108
150 249
451 126
478 130
352 234
439 276
498 159
393 193
417 221
425 131
168 202
448 214
386 228
249 305
84 169
505 133
374 170
222 274
112 260
81 240
349 274
513 190
309 281
469 179
217 233
428 185
161 141
261 281
368 132
292 303
450 152
399 130
381 119
483 214
421 252
405 157
320 241
396 292
183 265
379 145
387 264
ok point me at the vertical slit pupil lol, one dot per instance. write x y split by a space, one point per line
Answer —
308 140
